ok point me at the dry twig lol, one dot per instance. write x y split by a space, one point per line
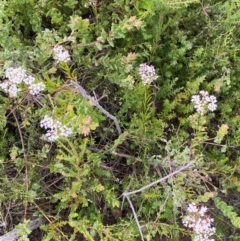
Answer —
15 233
84 93
126 194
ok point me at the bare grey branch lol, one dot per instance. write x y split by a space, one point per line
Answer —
15 233
84 93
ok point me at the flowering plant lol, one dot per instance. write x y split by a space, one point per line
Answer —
204 101
99 105
17 76
147 73
201 223
60 54
55 129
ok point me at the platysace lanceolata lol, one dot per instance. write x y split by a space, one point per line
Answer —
200 222
147 73
204 102
18 76
55 129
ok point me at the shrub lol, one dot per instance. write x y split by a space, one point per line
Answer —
118 115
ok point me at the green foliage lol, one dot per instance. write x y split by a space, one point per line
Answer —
76 182
228 211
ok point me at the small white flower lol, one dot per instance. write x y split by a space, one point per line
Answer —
55 129
10 88
200 222
147 73
203 93
196 99
212 106
204 101
213 99
13 90
5 85
29 80
15 75
35 89
47 122
52 135
60 54
203 210
65 131
192 208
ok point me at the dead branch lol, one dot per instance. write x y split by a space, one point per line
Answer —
84 93
126 194
15 233
159 180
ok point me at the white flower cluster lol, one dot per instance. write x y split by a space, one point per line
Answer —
147 73
204 100
200 222
16 76
60 54
55 129
35 89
